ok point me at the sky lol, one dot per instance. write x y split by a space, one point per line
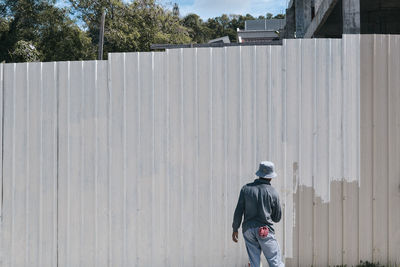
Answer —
214 8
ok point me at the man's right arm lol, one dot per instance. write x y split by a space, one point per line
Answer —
237 217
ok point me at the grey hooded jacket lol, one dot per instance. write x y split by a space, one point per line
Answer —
259 202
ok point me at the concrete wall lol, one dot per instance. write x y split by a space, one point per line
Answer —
138 160
317 4
379 16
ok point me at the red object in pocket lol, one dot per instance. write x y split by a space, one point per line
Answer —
263 231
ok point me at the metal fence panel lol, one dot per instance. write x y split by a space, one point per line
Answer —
379 191
393 147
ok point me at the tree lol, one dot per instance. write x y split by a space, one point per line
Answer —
196 28
44 26
24 52
62 39
280 16
31 29
171 31
225 25
21 19
4 28
130 26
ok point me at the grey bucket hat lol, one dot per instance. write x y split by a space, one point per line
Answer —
266 170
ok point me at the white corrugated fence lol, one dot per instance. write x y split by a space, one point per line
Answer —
138 160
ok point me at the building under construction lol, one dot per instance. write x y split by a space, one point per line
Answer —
332 18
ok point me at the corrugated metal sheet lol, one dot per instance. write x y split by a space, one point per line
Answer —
379 196
138 160
29 174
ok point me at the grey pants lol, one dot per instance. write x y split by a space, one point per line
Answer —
268 245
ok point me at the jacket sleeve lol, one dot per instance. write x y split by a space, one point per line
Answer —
276 210
237 217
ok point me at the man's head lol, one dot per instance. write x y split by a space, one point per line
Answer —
266 170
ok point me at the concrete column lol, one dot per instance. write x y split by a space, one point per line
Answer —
299 4
290 26
303 16
351 16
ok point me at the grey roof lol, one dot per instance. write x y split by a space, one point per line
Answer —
224 39
258 34
264 25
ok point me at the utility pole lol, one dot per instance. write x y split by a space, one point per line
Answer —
101 35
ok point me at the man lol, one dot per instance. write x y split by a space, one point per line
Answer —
259 202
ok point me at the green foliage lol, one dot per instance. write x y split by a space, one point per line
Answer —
198 32
33 30
221 26
63 38
202 32
279 16
130 26
4 25
40 23
4 28
24 52
157 25
225 25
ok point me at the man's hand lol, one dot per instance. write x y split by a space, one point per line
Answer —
235 237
